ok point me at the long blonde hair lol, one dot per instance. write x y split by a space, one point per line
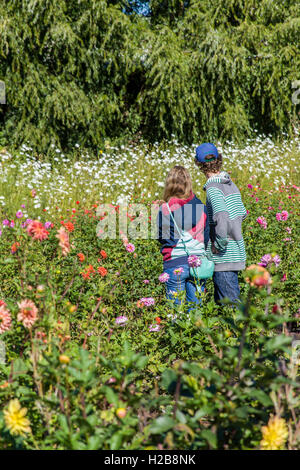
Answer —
178 184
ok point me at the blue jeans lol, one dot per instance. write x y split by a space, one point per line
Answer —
184 282
226 285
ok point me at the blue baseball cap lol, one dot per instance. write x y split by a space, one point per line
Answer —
206 149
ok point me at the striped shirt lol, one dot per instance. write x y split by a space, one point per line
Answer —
226 212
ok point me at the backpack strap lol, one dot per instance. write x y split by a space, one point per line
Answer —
178 230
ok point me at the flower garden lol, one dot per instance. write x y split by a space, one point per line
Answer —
92 356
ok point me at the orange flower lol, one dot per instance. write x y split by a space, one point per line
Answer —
85 275
64 241
158 320
4 385
259 276
103 254
15 247
69 226
102 271
88 271
37 230
81 256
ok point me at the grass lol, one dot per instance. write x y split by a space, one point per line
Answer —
119 174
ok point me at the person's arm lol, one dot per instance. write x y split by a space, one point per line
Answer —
220 217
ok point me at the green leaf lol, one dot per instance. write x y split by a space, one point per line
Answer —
210 437
162 424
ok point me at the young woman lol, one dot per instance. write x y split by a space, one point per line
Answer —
186 239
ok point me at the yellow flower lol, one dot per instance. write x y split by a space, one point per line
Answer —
274 434
63 359
14 418
121 413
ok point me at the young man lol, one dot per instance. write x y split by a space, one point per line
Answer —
226 212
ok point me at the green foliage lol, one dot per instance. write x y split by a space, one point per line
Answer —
79 71
209 380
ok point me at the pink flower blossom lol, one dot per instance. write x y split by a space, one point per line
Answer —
121 320
265 260
194 261
250 186
262 221
19 214
276 260
178 271
37 231
28 313
47 225
64 241
268 259
130 247
5 319
164 277
146 281
288 229
284 215
283 278
147 301
154 327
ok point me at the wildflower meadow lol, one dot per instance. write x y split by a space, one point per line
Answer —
92 354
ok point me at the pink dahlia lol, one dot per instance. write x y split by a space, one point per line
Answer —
262 221
284 215
37 230
194 261
28 313
178 271
5 318
130 247
147 301
164 277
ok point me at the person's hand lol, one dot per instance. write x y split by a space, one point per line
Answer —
214 250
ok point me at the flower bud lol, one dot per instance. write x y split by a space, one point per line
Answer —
63 359
121 413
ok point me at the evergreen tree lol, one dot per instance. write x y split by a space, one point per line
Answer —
84 70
